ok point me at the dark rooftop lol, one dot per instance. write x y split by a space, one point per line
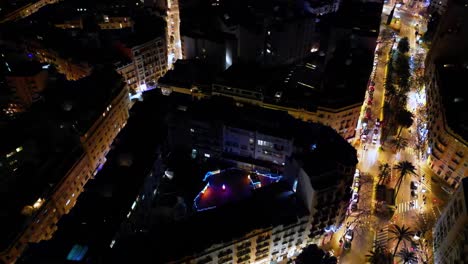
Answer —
310 84
188 73
43 153
104 204
82 102
454 96
268 207
25 68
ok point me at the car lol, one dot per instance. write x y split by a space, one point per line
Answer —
355 197
377 122
349 235
376 131
369 102
356 188
413 185
354 207
347 245
371 88
417 235
414 194
374 139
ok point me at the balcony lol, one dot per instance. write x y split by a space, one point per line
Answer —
224 253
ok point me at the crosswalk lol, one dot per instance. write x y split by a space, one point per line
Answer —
381 239
407 206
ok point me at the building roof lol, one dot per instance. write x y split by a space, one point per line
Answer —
340 82
82 102
188 73
230 185
104 204
268 207
454 97
43 153
362 17
25 68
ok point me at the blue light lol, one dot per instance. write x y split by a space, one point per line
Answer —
77 253
30 55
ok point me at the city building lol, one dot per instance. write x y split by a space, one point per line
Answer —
113 22
448 145
173 38
451 230
29 8
446 70
26 82
323 7
240 31
111 205
55 149
147 62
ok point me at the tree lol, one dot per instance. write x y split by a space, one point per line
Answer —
390 92
379 256
313 254
402 71
404 118
400 143
405 168
400 233
384 172
403 45
407 256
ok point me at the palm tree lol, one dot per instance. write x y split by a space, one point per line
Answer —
407 256
404 167
404 118
378 256
400 143
384 172
400 233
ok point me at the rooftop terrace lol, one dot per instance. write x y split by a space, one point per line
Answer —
225 186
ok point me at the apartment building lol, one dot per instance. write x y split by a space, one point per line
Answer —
26 10
26 82
49 183
115 22
451 230
448 145
73 70
147 63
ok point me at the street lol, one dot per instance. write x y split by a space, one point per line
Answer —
420 200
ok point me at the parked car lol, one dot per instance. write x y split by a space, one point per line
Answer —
354 207
347 245
349 235
413 185
374 139
414 194
377 122
355 197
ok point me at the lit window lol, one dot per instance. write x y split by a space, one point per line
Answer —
18 149
68 202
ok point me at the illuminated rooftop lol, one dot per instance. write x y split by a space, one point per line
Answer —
230 185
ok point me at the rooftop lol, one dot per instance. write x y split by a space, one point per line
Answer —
105 203
309 84
41 154
454 97
270 206
82 102
24 68
188 73
230 185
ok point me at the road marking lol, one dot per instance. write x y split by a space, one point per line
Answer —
406 206
381 239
